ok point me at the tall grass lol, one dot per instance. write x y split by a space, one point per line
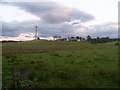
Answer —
61 64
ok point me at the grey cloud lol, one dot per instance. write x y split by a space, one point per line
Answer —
80 15
9 29
15 28
107 29
64 30
64 14
46 30
53 17
51 12
36 8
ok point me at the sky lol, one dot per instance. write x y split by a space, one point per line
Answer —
98 18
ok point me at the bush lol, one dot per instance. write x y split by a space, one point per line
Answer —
117 43
70 55
66 75
56 54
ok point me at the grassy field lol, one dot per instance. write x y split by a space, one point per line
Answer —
44 64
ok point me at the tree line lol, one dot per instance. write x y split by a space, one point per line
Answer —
101 39
95 40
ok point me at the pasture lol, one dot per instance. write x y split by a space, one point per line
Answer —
57 64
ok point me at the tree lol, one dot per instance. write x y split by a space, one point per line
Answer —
83 39
80 38
72 37
38 38
98 40
77 37
89 38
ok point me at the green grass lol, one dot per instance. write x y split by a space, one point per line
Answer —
62 64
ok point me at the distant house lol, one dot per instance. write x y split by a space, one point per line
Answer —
43 38
78 39
64 39
57 37
54 38
50 38
73 39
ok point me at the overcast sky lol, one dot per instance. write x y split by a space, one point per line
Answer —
60 17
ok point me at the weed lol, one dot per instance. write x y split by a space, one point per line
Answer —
56 55
117 43
70 55
32 62
72 62
89 61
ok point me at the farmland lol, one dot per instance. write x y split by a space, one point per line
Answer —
57 64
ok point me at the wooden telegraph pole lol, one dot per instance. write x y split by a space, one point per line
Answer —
36 32
36 27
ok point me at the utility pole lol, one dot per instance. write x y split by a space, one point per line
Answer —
35 36
36 32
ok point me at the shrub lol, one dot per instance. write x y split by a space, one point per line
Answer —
72 62
56 54
65 75
69 55
117 43
32 62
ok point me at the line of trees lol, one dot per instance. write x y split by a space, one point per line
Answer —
96 40
88 38
101 40
77 38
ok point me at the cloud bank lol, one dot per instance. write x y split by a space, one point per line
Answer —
56 19
51 12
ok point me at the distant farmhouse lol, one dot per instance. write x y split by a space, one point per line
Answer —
59 38
54 38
